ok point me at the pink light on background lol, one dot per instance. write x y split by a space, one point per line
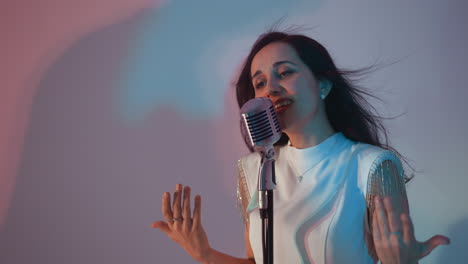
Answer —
35 34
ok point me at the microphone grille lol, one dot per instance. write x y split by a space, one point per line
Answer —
260 122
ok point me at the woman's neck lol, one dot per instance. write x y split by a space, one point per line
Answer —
309 136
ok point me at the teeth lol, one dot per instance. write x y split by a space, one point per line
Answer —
282 104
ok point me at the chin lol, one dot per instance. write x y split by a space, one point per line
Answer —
284 124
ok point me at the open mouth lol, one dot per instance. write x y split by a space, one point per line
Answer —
282 105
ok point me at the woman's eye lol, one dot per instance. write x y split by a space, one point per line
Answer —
285 73
259 85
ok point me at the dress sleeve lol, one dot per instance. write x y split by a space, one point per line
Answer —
386 179
243 195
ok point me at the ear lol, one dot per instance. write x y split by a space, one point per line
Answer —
325 87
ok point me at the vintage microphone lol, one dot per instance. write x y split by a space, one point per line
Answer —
260 127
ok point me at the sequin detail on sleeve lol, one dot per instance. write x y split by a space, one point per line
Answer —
243 195
386 178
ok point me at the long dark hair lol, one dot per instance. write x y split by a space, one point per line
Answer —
346 105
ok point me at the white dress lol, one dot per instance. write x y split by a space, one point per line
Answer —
320 204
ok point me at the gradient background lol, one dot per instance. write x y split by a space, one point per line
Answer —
104 105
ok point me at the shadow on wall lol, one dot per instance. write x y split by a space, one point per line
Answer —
456 252
89 185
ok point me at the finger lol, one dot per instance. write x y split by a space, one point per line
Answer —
381 218
408 229
375 228
166 208
393 216
176 203
432 243
163 226
186 213
197 213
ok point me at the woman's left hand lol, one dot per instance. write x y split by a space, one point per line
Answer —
393 234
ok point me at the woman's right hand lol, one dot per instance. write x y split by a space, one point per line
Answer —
183 227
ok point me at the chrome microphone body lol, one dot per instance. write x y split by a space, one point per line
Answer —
261 128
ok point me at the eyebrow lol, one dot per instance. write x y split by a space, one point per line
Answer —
274 65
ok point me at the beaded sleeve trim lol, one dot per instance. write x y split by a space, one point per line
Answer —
386 178
243 195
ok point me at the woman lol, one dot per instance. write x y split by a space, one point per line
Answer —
340 195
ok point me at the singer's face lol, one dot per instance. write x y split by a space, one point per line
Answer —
279 74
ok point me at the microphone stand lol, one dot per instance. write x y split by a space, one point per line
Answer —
266 185
261 128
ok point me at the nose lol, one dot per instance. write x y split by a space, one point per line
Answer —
274 89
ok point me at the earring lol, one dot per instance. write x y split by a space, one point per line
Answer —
325 87
322 94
